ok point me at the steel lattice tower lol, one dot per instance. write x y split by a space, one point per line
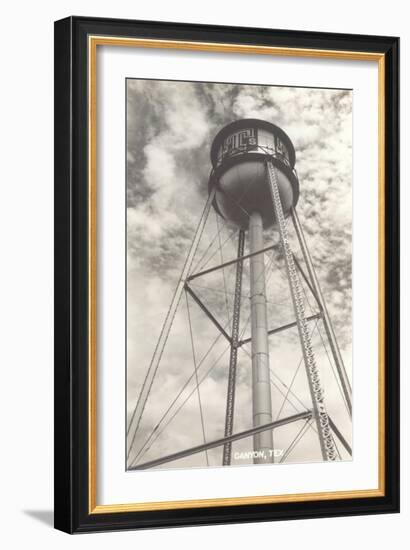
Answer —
254 185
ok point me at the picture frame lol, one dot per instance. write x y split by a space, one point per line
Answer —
77 408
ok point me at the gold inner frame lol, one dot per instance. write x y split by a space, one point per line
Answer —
93 42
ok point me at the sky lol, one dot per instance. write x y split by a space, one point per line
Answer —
170 128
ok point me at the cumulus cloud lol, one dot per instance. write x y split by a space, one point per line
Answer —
170 126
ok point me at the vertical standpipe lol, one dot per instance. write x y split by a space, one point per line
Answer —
261 392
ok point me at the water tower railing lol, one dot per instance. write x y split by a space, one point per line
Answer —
268 151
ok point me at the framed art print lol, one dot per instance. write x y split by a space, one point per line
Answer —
226 274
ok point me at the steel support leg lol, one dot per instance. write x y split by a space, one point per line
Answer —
166 327
326 441
344 380
233 359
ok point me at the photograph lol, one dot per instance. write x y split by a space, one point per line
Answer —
227 274
239 213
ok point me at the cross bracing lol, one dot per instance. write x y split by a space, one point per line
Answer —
195 276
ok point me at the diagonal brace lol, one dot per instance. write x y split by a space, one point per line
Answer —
231 262
207 312
219 442
340 436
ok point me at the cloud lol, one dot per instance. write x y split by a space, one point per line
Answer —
170 126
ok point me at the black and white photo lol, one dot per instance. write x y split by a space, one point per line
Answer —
239 274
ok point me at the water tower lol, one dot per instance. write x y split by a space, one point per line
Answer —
254 186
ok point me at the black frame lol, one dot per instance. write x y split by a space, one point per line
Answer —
71 276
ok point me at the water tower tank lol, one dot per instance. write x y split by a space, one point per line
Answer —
238 154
